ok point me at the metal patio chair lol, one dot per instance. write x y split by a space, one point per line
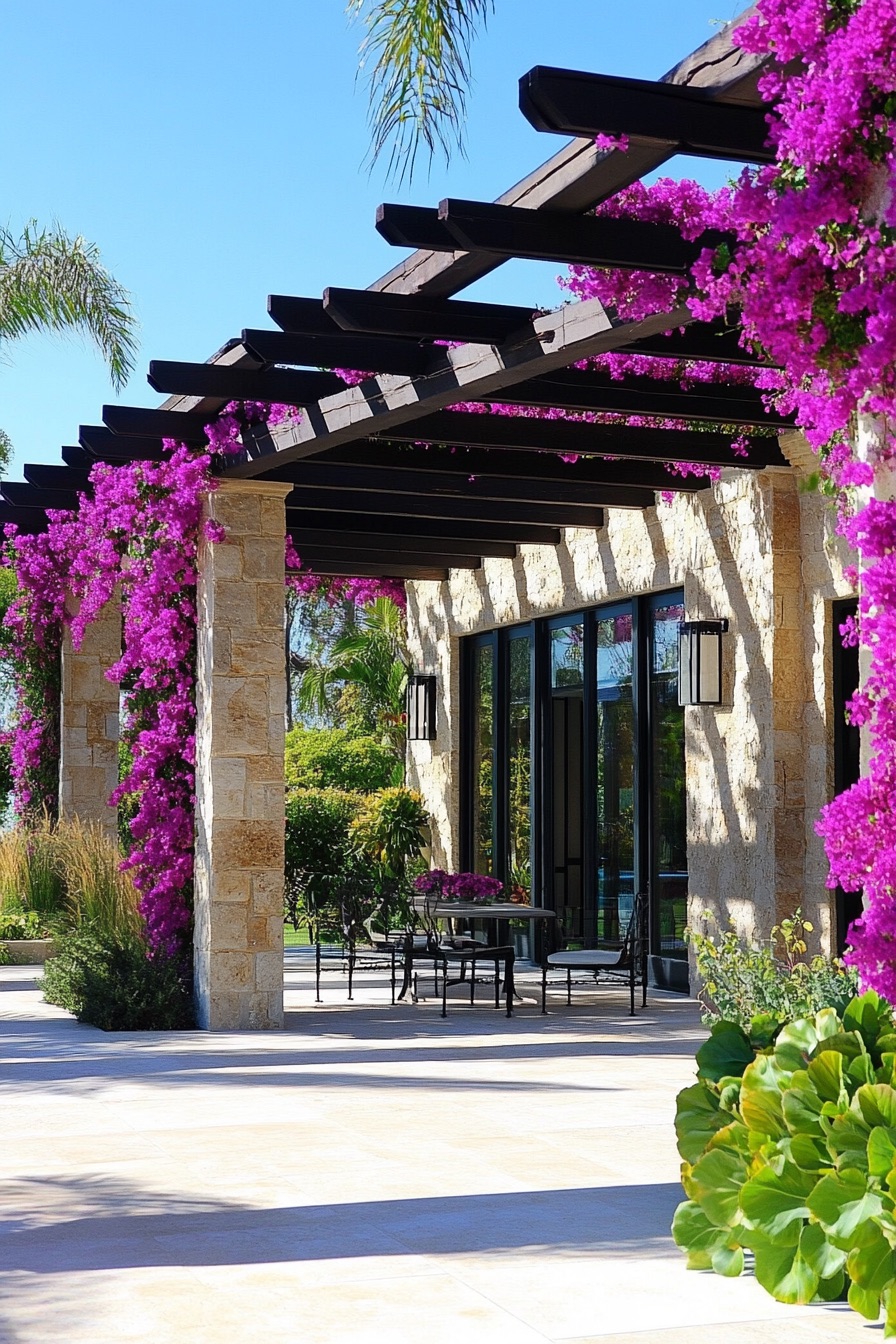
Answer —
465 953
625 964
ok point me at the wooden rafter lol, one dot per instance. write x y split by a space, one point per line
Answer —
573 102
306 499
287 386
364 310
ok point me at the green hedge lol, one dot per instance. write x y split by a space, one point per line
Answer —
331 758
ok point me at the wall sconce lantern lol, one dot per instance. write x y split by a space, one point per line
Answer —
421 707
700 662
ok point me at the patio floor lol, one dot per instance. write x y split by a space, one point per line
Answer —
371 1174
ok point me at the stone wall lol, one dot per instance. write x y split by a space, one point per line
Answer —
88 721
753 548
240 729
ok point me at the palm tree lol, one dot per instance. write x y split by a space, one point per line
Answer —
419 54
372 660
52 282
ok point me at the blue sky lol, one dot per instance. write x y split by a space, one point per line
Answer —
214 150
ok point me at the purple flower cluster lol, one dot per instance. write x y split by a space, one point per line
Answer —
474 887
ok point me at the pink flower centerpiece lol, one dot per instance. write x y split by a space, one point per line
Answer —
473 887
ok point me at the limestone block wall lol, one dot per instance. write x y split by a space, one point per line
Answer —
89 727
240 730
755 549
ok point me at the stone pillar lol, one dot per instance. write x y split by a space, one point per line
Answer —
240 728
88 727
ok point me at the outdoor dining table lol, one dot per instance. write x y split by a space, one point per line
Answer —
497 913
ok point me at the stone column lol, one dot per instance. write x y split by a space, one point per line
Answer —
240 728
88 727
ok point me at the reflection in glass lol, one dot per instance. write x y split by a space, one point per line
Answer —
615 775
483 758
567 647
520 762
669 810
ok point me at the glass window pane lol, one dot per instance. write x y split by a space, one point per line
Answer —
615 775
483 758
670 844
520 751
567 647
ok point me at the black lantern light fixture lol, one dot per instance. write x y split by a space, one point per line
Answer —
421 707
700 662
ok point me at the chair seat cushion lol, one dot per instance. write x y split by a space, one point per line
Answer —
586 958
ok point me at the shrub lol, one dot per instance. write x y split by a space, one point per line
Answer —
318 823
331 758
25 924
740 983
389 829
114 983
788 1141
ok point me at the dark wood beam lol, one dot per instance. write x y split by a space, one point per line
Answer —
428 487
594 390
32 497
340 352
56 478
364 310
73 455
472 536
708 341
104 446
544 235
570 436
301 316
139 422
386 559
351 570
233 384
26 519
533 467
306 499
321 538
573 102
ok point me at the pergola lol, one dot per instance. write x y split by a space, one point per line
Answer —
361 479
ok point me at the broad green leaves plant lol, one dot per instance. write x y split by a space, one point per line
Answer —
788 1144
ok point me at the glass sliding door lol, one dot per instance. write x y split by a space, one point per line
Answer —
483 757
574 770
668 819
567 774
615 770
519 761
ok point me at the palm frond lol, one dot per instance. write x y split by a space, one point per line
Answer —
418 57
52 282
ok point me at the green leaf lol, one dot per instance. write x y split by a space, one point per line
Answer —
697 1117
864 1301
849 1044
878 1104
776 1203
725 1055
728 1261
831 1290
808 1153
763 1030
847 1140
801 1106
697 1236
826 1073
869 1015
795 1044
842 1203
881 1152
760 1097
871 1263
715 1183
787 1272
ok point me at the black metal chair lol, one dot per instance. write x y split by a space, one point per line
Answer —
339 909
625 964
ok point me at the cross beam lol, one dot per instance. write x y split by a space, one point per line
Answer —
573 102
